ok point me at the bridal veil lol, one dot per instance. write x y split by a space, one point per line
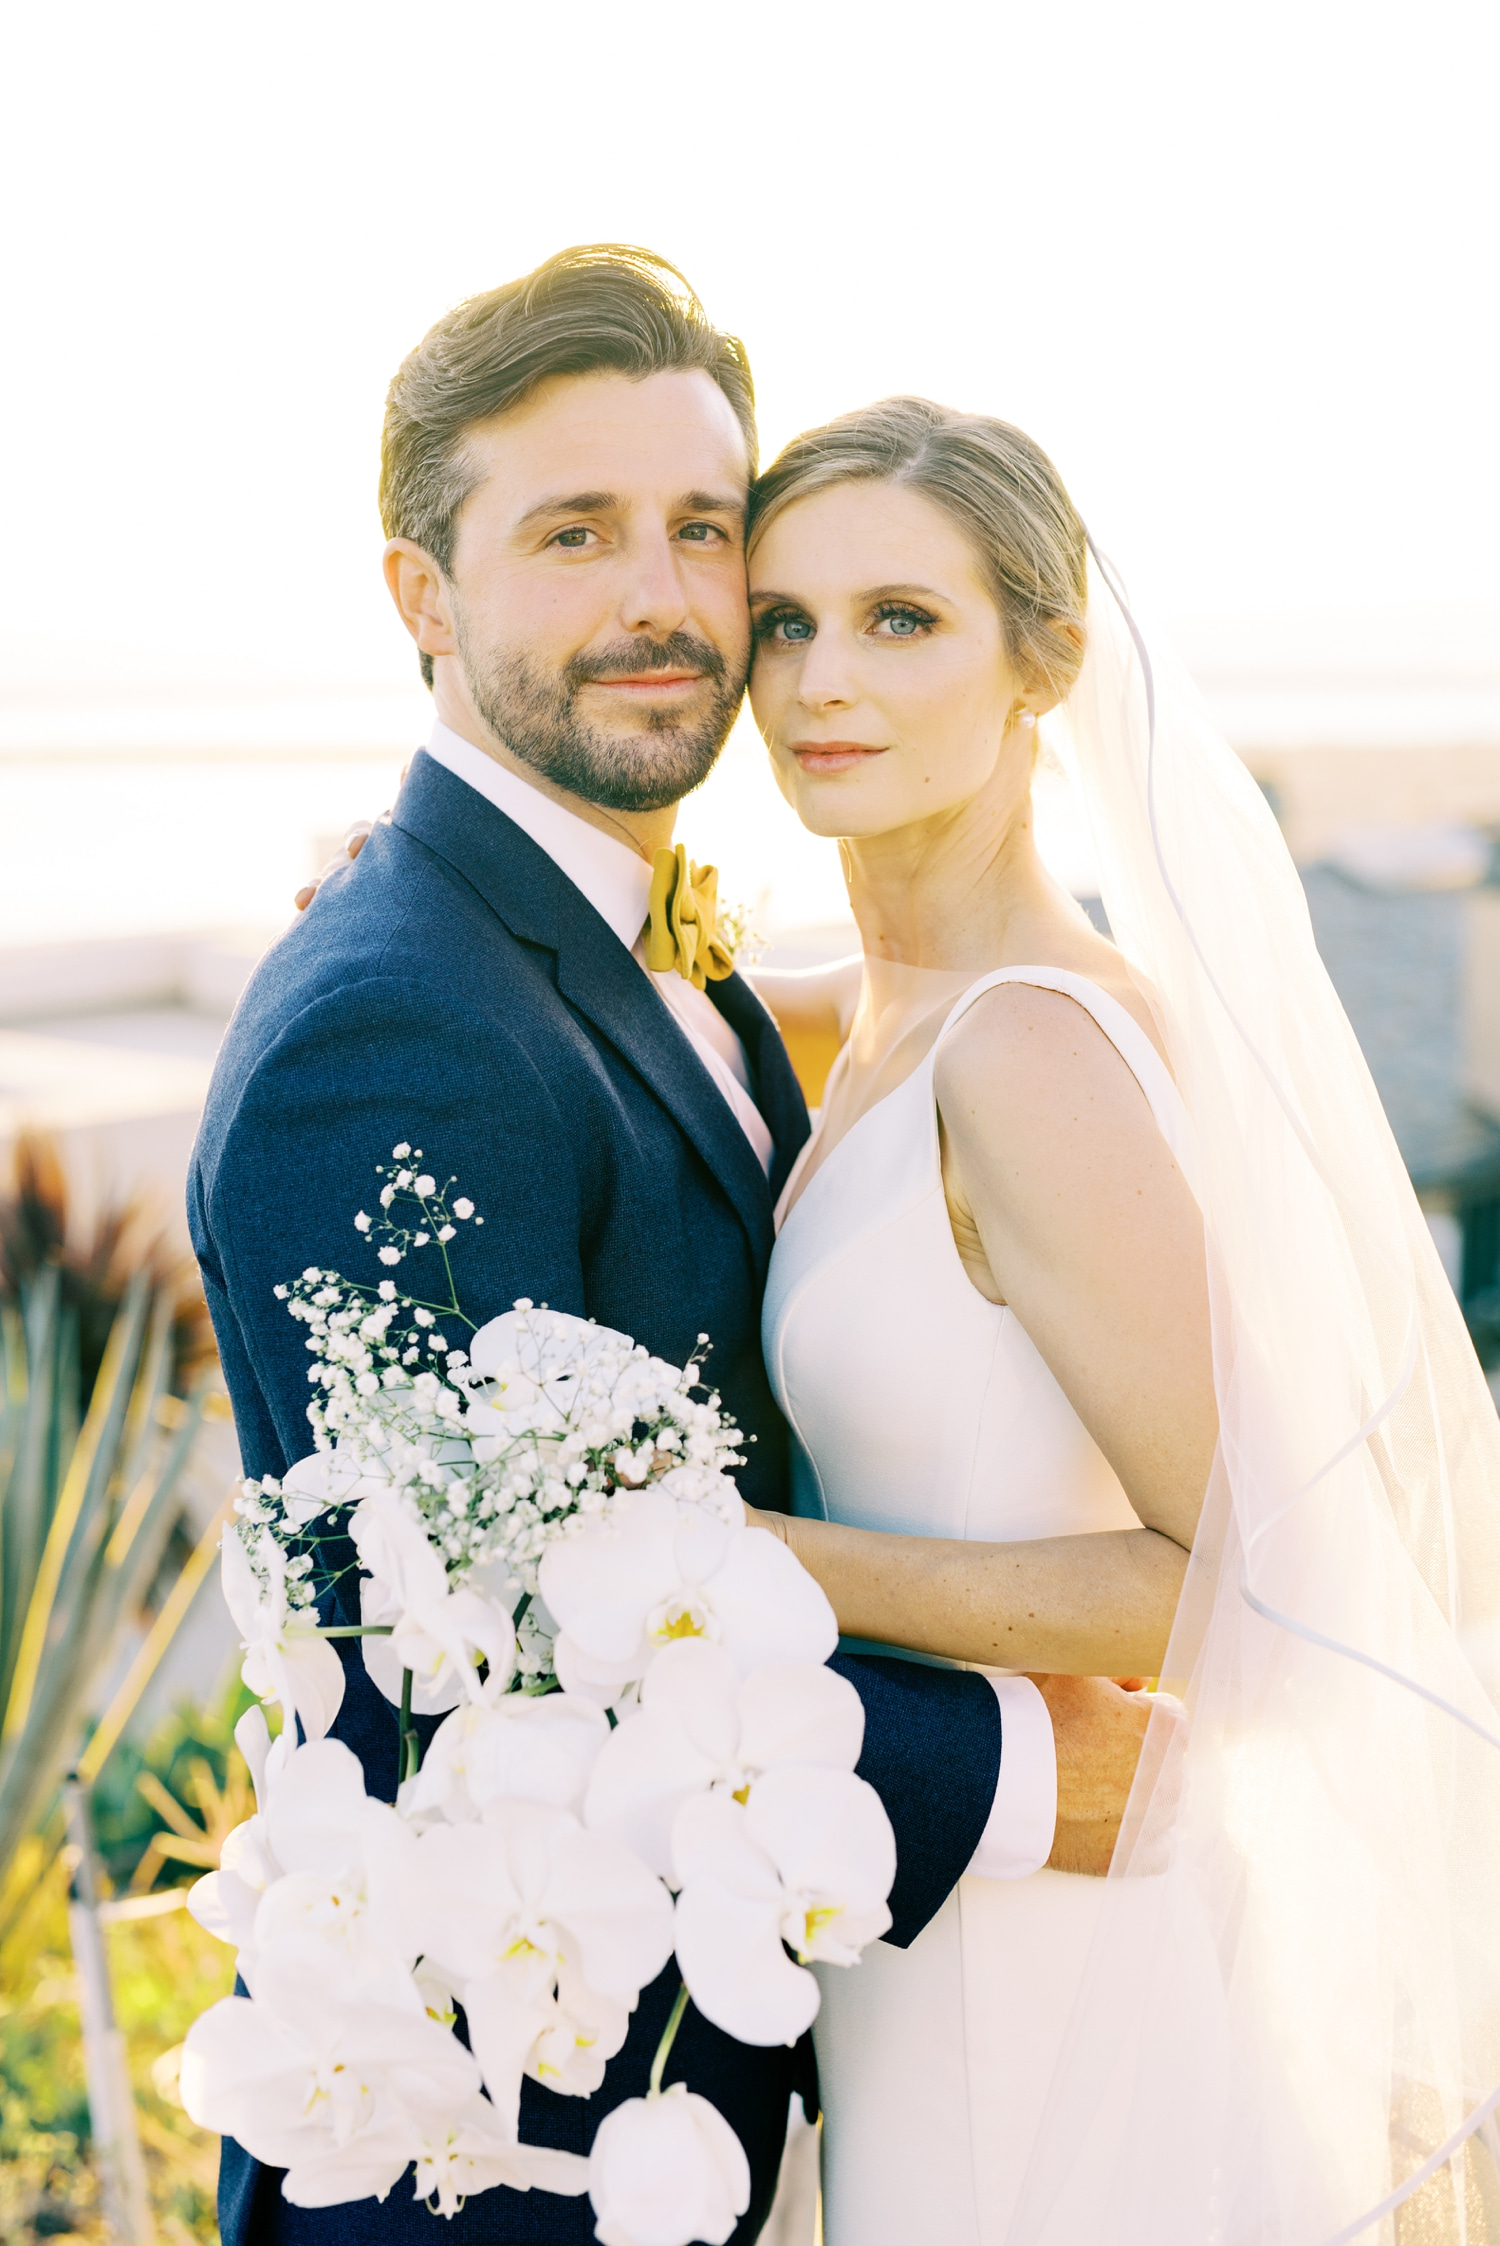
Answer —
1289 2027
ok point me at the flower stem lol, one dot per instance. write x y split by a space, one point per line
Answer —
409 1758
668 2038
354 1630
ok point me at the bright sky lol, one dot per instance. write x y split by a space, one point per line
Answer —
1235 266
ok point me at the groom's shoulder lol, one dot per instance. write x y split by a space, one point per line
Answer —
398 913
396 945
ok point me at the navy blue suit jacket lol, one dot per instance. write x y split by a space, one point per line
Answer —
454 989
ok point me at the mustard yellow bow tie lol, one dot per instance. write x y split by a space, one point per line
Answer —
682 926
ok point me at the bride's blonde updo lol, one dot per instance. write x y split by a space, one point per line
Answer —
998 486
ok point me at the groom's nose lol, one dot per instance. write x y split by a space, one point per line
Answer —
653 596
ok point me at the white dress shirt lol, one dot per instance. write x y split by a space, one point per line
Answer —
617 883
1017 1838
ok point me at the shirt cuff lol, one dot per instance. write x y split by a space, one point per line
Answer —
1017 1838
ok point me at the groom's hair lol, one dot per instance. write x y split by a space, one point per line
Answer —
605 307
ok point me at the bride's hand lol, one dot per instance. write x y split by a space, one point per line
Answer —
1098 1728
1098 1725
354 841
775 1523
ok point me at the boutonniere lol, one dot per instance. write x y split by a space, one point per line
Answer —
688 928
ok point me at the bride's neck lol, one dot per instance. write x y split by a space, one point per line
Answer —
964 889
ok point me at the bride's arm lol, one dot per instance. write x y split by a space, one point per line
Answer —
813 1002
1092 1237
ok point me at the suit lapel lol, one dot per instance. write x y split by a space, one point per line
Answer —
777 1093
595 974
601 981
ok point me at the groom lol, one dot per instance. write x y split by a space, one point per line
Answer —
565 469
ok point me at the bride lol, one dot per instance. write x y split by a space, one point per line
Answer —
1114 1342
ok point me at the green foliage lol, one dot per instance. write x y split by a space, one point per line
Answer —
95 1264
88 1506
84 1512
46 2186
127 1819
164 1971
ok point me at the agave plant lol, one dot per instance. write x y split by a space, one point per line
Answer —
40 1230
87 1499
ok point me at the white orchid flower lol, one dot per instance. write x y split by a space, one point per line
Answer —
318 1808
318 1859
467 2151
666 2171
543 1346
264 1756
583 2031
509 2007
521 1747
562 2035
324 1479
501 1902
345 1861
224 1902
379 1605
701 1726
513 1407
285 1659
534 1364
608 1684
808 1862
436 1632
650 1571
319 2073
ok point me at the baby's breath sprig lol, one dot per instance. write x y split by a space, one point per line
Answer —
435 1221
494 1450
736 929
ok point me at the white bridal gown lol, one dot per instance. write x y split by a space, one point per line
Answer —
921 1408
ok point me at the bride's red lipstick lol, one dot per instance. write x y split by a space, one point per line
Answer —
832 756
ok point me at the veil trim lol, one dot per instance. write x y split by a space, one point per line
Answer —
1476 2119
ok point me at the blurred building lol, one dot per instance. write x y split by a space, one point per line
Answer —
1377 740
1419 974
108 1045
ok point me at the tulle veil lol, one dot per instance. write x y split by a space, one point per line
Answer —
1288 2029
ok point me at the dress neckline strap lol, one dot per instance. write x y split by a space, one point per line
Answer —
1124 1033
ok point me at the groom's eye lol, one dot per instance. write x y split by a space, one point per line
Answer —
702 534
576 535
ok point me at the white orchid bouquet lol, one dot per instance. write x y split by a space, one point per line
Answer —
642 1751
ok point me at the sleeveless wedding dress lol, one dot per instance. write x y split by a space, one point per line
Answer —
920 1408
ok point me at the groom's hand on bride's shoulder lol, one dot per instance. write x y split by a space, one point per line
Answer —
1098 1727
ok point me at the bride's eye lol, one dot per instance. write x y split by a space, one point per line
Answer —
904 621
784 627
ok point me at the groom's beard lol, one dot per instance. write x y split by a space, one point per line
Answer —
536 715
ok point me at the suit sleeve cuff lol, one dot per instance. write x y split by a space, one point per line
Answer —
1017 1838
